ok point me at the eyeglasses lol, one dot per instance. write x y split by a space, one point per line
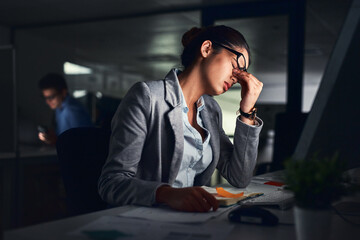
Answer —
240 58
50 98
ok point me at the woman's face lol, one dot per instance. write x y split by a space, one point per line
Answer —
217 70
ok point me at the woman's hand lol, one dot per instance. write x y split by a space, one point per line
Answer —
190 199
251 88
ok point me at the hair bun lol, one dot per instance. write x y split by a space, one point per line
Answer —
190 35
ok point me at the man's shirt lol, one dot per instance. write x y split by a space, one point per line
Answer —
71 114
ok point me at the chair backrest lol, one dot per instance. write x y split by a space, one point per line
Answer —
82 153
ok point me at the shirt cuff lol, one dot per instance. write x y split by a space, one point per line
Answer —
258 122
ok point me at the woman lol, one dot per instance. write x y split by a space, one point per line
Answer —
167 135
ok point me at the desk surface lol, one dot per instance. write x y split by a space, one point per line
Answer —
60 229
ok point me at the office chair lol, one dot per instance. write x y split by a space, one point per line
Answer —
82 153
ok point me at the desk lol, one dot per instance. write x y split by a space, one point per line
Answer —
58 230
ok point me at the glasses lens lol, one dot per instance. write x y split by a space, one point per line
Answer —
49 98
241 62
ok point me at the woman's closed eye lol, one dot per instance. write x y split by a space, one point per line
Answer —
233 63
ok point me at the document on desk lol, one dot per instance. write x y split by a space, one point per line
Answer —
113 227
228 196
274 195
166 214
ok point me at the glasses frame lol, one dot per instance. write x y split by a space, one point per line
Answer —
51 97
238 55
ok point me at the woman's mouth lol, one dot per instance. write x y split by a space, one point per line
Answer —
227 86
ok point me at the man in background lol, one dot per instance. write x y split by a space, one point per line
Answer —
69 113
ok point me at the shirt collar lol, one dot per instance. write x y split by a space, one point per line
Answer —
172 88
200 103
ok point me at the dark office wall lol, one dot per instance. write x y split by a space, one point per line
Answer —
6 101
6 89
35 57
6 121
4 35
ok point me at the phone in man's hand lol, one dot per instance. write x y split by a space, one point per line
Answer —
42 129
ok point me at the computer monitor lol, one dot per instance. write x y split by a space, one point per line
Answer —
333 124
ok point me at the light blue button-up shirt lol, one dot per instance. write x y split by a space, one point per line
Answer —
197 154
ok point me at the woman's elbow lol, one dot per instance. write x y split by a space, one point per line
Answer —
241 182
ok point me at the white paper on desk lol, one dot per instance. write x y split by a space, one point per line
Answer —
127 228
165 214
273 176
258 186
273 195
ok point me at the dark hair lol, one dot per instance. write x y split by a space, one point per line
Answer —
53 80
193 39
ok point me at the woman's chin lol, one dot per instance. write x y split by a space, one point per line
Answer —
219 92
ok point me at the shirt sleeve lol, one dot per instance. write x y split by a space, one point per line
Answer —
237 161
257 124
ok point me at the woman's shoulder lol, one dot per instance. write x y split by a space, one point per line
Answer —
145 91
153 88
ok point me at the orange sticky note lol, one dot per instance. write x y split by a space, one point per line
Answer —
223 193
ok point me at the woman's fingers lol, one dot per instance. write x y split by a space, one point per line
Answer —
191 199
247 79
199 203
198 200
251 88
209 198
205 200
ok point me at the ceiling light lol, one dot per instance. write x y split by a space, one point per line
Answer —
79 93
71 69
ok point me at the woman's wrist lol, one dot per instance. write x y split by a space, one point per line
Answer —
247 120
247 117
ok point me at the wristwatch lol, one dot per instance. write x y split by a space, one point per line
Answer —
250 115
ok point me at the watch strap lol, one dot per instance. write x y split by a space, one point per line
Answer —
250 115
